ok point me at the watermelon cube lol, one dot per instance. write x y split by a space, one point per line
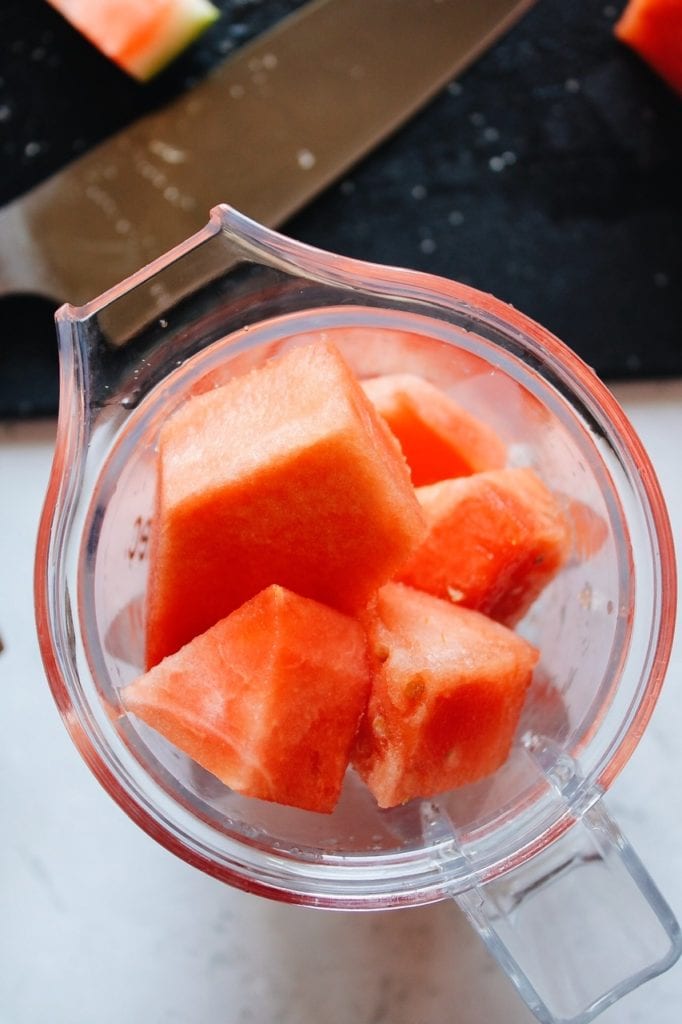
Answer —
448 685
653 29
439 439
268 699
494 541
285 475
141 37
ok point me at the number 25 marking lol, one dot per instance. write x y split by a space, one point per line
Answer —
138 548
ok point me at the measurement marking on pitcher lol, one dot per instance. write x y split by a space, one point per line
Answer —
140 545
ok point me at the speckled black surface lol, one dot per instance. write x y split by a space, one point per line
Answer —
549 174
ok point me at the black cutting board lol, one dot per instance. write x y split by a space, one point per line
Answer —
549 174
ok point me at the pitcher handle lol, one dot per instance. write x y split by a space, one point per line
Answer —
577 926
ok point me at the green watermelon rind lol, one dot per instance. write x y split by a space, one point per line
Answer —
193 18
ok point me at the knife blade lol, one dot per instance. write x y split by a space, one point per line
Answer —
268 130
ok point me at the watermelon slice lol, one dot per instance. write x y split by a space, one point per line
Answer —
653 29
141 36
268 700
439 439
286 475
448 685
495 540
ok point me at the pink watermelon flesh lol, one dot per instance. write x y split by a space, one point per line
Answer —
439 438
268 700
494 541
286 475
448 685
284 504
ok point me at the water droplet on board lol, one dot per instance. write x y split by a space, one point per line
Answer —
455 218
305 159
171 154
428 245
502 160
418 191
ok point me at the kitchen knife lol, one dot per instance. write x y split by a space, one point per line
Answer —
266 131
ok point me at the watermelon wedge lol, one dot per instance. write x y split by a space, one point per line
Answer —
448 685
439 439
285 475
141 36
653 29
494 541
268 700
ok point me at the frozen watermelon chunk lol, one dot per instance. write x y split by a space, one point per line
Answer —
494 541
268 699
141 36
653 29
439 439
448 685
286 475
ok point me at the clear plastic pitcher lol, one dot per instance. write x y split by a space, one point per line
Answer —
530 854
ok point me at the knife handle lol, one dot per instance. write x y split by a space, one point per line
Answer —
22 267
28 351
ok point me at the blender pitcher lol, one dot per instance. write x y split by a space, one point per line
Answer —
529 854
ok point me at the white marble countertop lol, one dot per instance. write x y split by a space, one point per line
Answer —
99 925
